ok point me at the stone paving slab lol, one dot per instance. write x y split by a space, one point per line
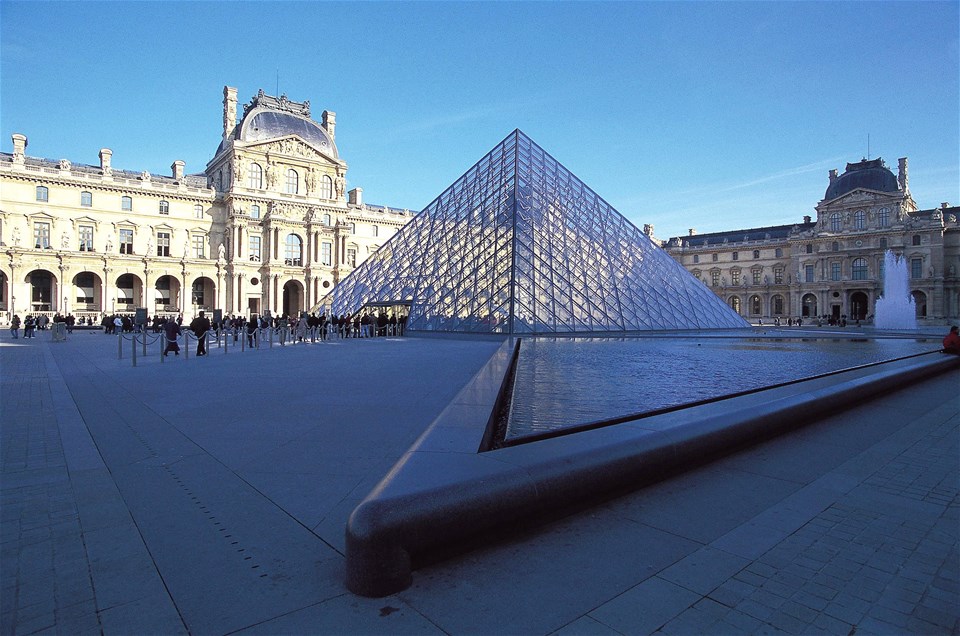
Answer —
119 485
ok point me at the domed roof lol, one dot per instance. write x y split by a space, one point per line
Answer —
261 124
869 174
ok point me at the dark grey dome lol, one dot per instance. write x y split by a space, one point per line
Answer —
867 174
261 125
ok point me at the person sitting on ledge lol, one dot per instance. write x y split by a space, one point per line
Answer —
951 344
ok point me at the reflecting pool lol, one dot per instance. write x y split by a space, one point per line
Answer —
564 382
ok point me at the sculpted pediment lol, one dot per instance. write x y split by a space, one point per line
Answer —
291 146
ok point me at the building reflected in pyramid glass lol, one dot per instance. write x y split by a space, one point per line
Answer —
519 245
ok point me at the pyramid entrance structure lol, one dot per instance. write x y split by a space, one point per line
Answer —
519 245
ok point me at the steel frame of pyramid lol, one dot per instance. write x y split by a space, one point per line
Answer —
519 245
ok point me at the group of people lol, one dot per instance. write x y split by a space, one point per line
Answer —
39 323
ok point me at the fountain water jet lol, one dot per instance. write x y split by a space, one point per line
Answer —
896 308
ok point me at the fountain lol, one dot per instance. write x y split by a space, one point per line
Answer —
895 309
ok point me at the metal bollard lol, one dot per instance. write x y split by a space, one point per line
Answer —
119 345
162 341
144 334
133 348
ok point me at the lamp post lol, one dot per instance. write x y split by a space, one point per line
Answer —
64 304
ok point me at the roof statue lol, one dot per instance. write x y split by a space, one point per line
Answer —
519 245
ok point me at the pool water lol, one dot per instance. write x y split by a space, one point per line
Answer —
564 382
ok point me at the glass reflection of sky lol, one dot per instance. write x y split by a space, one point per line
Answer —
565 382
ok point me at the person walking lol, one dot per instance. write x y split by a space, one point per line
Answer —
200 326
28 326
15 326
171 331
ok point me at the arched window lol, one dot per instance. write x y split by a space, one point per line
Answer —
755 305
809 303
86 199
254 211
293 182
326 187
294 251
255 176
43 193
126 204
164 207
777 303
836 223
859 220
859 269
198 211
734 303
883 217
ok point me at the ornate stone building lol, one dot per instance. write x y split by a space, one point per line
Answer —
832 266
266 227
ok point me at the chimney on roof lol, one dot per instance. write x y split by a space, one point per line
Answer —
229 111
105 155
355 197
806 219
330 123
177 167
903 178
692 232
19 148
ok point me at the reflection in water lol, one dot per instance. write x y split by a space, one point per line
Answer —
565 382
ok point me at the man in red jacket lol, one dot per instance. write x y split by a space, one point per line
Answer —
951 344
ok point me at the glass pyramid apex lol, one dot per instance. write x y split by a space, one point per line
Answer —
519 245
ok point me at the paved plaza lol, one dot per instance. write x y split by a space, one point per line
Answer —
210 495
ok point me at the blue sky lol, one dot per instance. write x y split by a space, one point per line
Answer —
717 116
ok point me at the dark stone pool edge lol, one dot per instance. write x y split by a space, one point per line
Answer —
443 490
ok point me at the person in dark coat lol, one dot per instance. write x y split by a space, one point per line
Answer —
200 326
172 331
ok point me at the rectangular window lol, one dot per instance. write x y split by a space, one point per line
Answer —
254 211
164 207
735 276
808 273
696 258
199 251
86 199
126 241
916 268
43 194
834 271
254 248
736 256
163 244
756 276
198 211
778 275
86 238
126 204
351 257
326 254
715 278
41 235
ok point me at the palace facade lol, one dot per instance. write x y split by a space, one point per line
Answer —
267 226
832 265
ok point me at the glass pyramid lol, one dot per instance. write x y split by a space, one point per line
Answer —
519 245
